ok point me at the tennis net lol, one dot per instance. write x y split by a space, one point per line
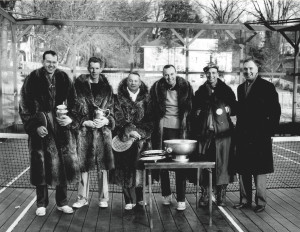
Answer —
14 165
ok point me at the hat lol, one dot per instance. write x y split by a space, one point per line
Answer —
210 65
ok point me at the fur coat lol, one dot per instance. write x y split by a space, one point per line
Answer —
131 116
157 108
94 145
53 159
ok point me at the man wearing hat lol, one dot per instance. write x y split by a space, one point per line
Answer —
213 104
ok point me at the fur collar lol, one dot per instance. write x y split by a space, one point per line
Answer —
83 90
123 93
184 95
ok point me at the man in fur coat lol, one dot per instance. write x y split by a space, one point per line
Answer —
95 101
257 118
52 144
170 108
132 123
213 104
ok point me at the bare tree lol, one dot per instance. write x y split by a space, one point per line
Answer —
223 12
272 10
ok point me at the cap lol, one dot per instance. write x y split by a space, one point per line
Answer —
210 65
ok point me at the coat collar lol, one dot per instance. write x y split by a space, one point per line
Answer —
122 91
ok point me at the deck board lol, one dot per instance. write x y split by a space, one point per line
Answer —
282 214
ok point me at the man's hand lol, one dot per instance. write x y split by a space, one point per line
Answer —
64 120
42 131
100 122
198 112
135 135
89 123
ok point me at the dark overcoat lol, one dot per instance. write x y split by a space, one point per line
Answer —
157 106
53 159
257 118
207 101
131 116
94 145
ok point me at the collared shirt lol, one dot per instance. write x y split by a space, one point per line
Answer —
132 95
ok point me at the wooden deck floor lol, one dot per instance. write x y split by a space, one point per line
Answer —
282 214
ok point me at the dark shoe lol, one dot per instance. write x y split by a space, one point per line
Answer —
221 203
221 195
259 208
242 206
203 201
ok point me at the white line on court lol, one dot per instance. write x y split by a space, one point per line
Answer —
290 160
297 153
13 180
232 221
12 226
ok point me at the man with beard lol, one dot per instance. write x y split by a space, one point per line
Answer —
257 118
132 122
52 144
94 94
170 108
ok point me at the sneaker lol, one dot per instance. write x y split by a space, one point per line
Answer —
103 204
80 202
142 203
129 206
41 211
167 200
181 206
65 209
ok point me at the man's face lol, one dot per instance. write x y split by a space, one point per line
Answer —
133 82
250 70
212 76
95 70
50 63
170 76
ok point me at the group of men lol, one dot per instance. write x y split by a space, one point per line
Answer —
65 148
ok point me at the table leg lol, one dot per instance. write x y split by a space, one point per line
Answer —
197 187
144 189
150 198
210 195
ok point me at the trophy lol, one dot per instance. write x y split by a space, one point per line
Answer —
61 110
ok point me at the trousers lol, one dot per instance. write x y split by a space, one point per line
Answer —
260 182
43 198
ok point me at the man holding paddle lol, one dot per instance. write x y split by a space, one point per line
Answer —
52 146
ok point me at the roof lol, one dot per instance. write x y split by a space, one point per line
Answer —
162 43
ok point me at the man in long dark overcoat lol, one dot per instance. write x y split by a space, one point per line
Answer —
52 143
257 117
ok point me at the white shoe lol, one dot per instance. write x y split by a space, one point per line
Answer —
167 200
65 209
41 211
103 204
142 203
181 206
80 202
129 206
